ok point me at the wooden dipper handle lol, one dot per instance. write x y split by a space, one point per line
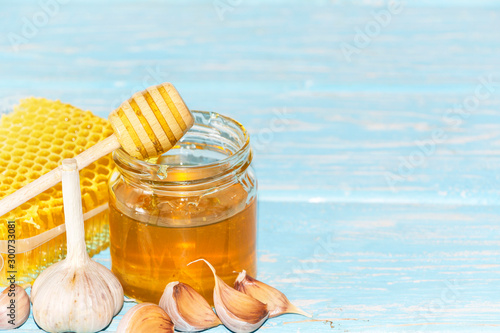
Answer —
147 125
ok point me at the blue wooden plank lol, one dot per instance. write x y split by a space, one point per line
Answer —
370 267
364 117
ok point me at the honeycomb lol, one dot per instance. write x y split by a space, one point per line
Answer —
34 139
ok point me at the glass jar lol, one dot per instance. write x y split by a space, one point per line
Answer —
198 200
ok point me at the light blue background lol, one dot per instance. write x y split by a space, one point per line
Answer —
358 224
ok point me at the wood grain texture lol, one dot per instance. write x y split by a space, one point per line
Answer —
146 128
366 219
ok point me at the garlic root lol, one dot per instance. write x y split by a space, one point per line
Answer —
14 307
276 301
189 311
238 312
146 318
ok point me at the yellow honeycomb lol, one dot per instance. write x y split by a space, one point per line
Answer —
34 139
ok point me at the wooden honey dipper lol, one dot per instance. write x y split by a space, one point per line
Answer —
146 125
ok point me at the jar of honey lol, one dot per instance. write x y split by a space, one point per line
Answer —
198 200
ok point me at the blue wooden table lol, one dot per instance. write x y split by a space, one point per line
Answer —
376 127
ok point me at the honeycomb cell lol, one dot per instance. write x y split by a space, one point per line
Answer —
106 161
33 176
44 197
25 206
33 142
52 165
34 138
60 135
102 170
102 178
69 147
23 170
27 163
86 183
26 131
68 154
41 161
73 129
44 153
45 145
52 122
59 142
85 173
20 179
94 138
63 121
82 142
70 137
47 138
39 127
10 174
54 158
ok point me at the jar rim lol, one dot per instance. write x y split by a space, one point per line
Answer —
199 173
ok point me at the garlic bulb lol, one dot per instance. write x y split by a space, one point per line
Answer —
14 307
238 312
189 311
145 318
276 301
76 294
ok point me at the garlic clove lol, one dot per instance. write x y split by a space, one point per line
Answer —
189 311
146 318
276 301
238 312
14 307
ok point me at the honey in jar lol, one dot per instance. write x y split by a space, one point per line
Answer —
196 201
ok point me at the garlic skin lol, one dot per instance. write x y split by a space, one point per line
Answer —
276 301
238 312
69 298
76 294
189 311
14 307
146 318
